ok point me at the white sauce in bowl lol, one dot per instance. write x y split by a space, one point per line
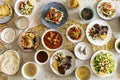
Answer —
8 35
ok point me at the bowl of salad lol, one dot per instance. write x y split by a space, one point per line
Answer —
75 33
106 10
24 7
103 63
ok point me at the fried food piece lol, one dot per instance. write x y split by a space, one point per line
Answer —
5 10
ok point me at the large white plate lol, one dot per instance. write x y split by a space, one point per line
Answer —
101 15
67 53
104 51
99 42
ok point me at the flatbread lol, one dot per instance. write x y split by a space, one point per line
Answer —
11 53
10 65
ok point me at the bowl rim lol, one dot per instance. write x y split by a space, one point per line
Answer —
103 17
44 43
24 75
93 11
116 44
77 45
81 37
20 18
98 52
82 66
35 57
16 5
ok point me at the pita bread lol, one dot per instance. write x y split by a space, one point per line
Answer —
10 65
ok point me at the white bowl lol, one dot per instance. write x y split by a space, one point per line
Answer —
81 37
92 9
99 42
116 45
67 53
16 7
48 47
89 51
77 70
23 73
101 15
35 57
104 51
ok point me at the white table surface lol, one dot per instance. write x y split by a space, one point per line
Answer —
45 73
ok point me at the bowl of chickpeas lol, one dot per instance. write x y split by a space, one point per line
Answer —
73 3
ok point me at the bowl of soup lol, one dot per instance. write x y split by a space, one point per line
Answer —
52 40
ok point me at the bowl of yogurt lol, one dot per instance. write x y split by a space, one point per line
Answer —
8 35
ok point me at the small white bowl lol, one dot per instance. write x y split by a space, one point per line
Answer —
28 77
38 62
93 11
81 37
116 45
16 7
48 47
80 55
77 70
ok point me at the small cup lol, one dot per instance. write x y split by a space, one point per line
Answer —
27 72
22 22
41 57
86 77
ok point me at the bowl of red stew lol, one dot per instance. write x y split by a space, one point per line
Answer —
75 33
52 40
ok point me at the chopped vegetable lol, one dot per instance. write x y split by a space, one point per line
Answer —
74 33
103 63
26 8
107 9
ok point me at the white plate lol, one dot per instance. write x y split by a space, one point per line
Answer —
67 53
99 42
16 7
81 37
101 15
48 47
89 51
104 51
116 45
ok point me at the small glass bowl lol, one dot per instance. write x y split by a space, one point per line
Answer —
20 21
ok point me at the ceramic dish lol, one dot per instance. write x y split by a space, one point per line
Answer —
57 6
27 72
31 8
83 51
106 9
28 41
6 18
83 73
100 60
87 14
52 40
76 32
95 33
41 57
70 61
117 45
